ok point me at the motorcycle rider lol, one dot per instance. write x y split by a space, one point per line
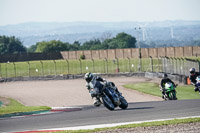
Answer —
197 84
89 77
193 76
165 80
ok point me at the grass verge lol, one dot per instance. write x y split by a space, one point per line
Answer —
145 124
183 92
16 107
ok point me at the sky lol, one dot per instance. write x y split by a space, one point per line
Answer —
22 11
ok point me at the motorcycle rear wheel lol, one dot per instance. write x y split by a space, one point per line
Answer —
124 103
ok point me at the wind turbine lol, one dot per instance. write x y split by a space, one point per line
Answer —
144 32
171 29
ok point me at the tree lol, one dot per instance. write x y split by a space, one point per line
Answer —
106 35
125 40
122 40
75 46
10 45
32 48
91 45
52 46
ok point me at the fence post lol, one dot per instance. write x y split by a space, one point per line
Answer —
67 66
29 73
42 68
198 64
140 62
0 71
167 66
182 66
106 65
160 64
117 70
55 67
176 65
129 64
151 60
80 66
14 69
179 66
172 61
6 70
163 64
93 66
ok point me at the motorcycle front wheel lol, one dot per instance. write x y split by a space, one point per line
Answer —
172 96
108 103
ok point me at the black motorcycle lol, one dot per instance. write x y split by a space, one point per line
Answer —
107 95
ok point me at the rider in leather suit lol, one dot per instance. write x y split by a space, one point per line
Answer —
89 76
163 82
197 85
193 76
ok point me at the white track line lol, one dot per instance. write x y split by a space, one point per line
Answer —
114 124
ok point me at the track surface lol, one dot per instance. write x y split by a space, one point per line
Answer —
73 93
100 115
59 93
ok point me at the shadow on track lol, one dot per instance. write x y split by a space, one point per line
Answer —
118 109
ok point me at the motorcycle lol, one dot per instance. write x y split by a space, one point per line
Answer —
107 95
170 92
197 87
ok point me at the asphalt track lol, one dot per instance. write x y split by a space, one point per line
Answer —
89 115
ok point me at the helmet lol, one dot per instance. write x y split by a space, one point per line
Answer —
165 75
88 77
198 79
192 70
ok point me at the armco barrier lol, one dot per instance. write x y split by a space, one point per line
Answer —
179 78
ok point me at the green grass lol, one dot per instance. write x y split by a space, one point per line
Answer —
16 107
183 92
145 124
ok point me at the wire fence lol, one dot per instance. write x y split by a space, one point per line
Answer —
179 66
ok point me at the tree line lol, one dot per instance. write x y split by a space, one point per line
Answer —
10 45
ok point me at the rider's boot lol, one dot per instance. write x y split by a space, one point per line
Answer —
97 102
163 94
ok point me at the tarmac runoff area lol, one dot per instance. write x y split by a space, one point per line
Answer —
68 93
65 95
